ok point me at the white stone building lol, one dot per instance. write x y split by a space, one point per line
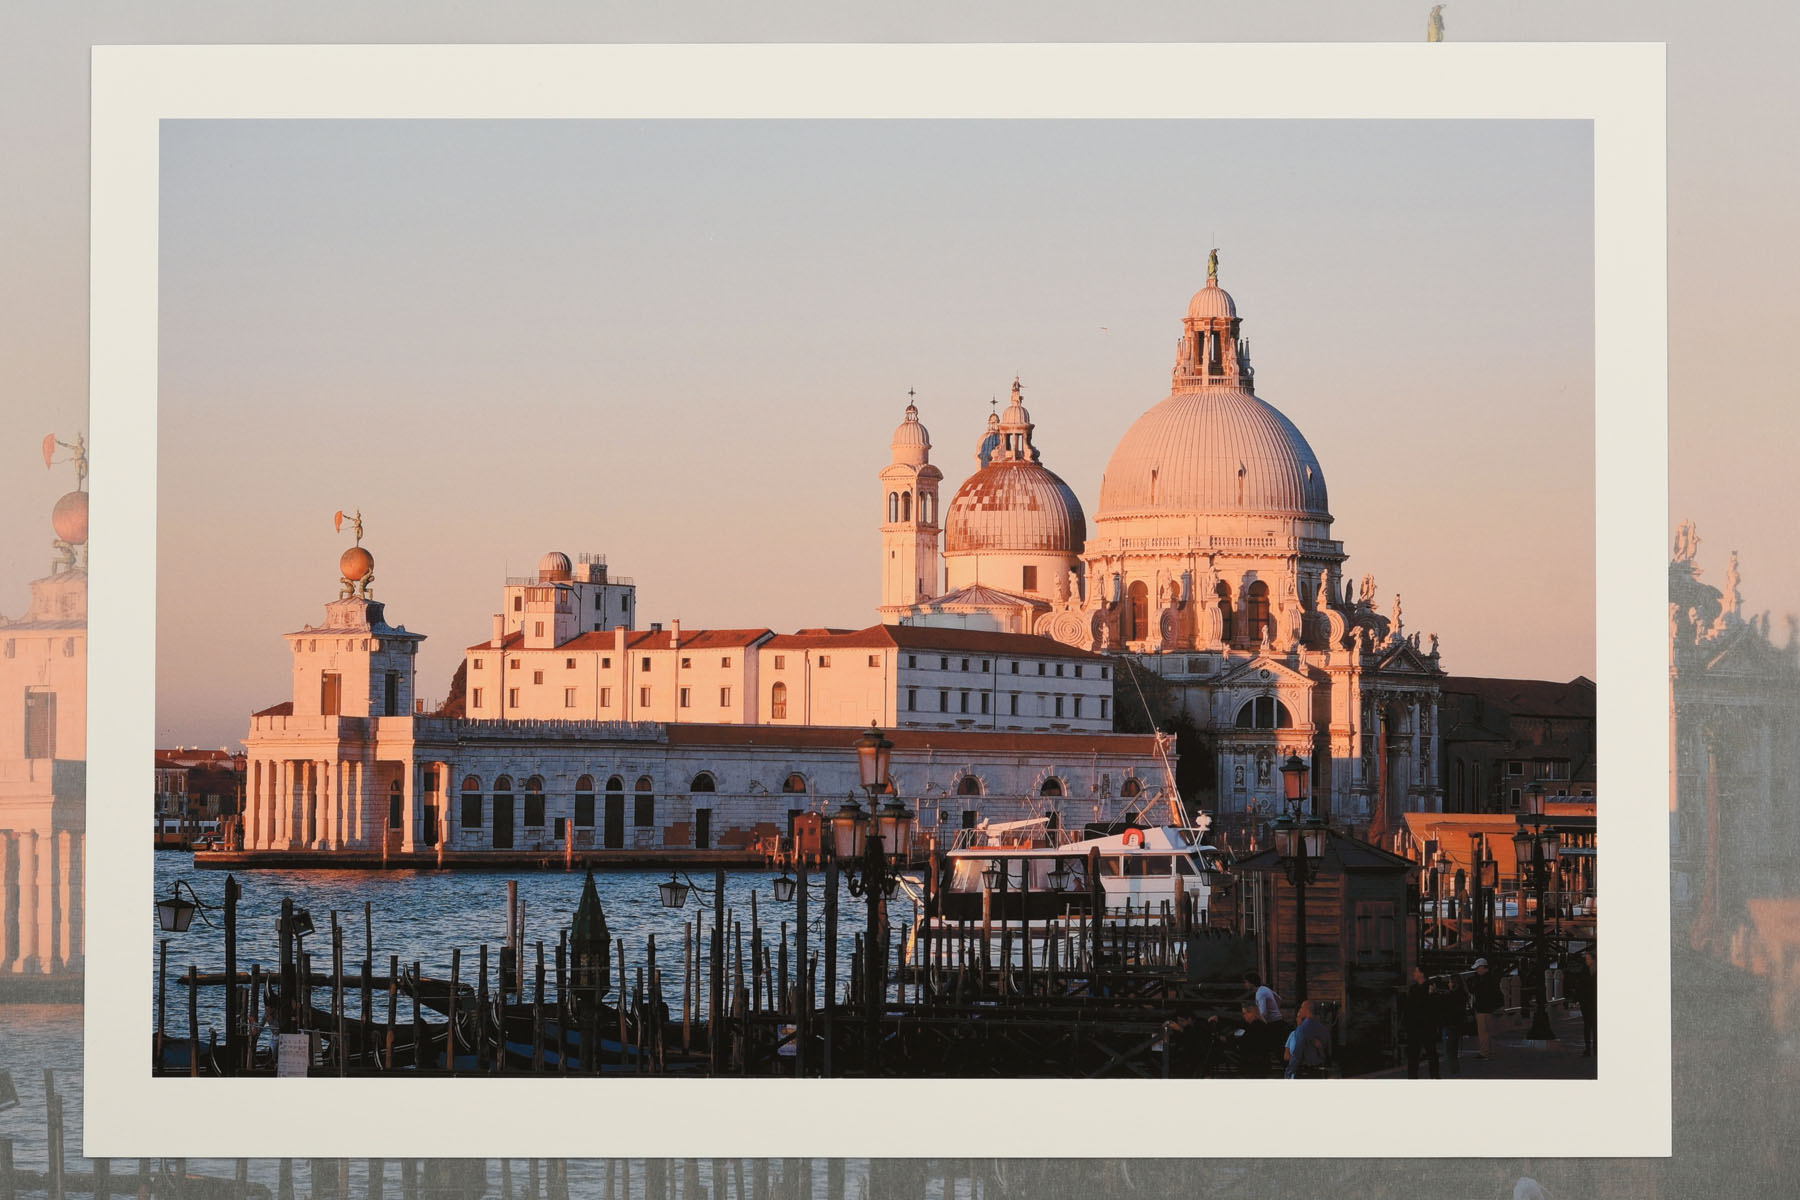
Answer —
43 771
1211 562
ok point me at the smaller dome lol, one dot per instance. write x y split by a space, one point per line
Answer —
1212 302
554 568
70 518
356 563
1014 506
912 441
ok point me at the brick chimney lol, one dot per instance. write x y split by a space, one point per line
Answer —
499 630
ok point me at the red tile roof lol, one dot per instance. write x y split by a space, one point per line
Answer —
637 639
284 709
932 637
1060 745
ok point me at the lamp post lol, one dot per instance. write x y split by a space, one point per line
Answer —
1299 847
1538 847
860 842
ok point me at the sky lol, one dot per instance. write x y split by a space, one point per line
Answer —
685 345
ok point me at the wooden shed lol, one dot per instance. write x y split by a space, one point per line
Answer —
1359 944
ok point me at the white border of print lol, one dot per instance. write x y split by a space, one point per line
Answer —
1627 1111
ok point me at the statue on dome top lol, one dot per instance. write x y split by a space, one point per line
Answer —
1212 266
1434 24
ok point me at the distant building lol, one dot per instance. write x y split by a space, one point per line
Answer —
1503 735
43 768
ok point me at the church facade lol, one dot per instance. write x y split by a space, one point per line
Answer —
1211 562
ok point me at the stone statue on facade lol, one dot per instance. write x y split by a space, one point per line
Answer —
1733 598
1365 595
1074 584
1399 624
1687 543
1434 645
1434 24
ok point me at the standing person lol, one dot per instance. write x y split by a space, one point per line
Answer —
1484 988
1453 1015
1308 1045
1254 1043
1421 1019
1583 986
1268 1004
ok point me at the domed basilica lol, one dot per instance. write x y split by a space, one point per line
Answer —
1210 562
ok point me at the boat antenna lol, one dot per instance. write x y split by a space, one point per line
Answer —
1177 807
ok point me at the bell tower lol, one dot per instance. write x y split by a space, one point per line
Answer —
910 568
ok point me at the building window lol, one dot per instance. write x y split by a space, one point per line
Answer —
537 677
584 811
724 697
330 690
965 664
685 694
1042 669
984 704
984 664
396 807
596 601
703 782
912 699
1512 799
794 784
512 697
943 701
780 662
944 663
1105 704
1059 670
605 697
965 702
471 809
1130 789
534 802
968 785
605 664
1015 668
644 697
778 702
1515 768
824 660
514 664
1029 578
643 811
1059 706
519 603
1106 672
1012 704
1052 787
645 666
568 697
912 660
1264 712
477 664
874 660
1078 708
624 603
1078 670
569 664
537 629
475 700
968 818
725 661
40 724
687 664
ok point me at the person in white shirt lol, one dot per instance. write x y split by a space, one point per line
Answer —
1268 1005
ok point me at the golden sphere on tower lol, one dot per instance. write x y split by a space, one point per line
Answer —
70 518
356 563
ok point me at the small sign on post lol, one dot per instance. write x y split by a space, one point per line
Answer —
293 1054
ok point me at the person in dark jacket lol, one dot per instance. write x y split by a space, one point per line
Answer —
1582 988
1484 989
1453 1016
1421 1019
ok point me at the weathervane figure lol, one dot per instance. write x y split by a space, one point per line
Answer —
1212 266
356 565
1434 24
70 516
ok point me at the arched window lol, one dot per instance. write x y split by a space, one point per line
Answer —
471 783
1223 592
1264 712
703 782
968 785
503 784
1130 788
615 784
1256 602
396 807
1137 611
644 805
906 506
584 802
928 508
1052 787
794 784
778 702
471 802
893 507
534 802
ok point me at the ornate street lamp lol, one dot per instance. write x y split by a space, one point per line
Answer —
991 875
1538 849
1060 876
874 753
1300 848
849 831
674 893
783 887
175 914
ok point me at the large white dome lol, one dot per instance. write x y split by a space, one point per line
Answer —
1213 450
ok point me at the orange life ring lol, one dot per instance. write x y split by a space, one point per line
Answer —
1134 837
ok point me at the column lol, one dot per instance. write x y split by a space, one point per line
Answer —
327 805
25 962
253 805
409 806
75 900
6 880
362 806
66 898
447 820
284 803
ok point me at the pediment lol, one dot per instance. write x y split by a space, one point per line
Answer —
1745 653
1262 671
1405 659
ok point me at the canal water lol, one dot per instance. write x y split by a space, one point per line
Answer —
421 916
